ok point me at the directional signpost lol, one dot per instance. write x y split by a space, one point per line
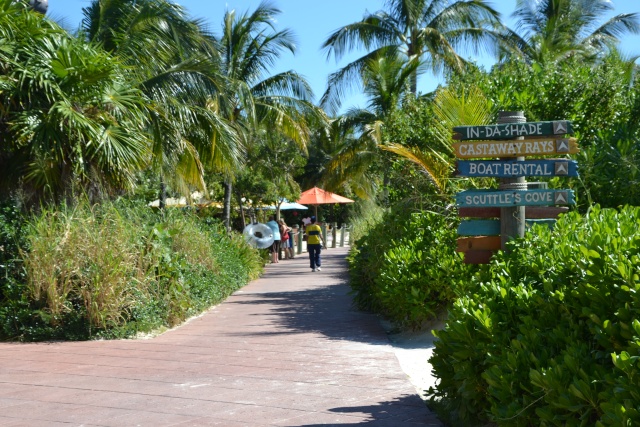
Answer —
509 141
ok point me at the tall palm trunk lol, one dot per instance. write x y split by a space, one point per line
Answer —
226 213
386 182
241 205
162 196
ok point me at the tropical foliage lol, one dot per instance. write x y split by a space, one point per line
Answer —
257 101
70 119
601 101
406 267
548 335
549 31
181 85
117 270
424 31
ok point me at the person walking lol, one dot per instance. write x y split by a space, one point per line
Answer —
314 244
275 248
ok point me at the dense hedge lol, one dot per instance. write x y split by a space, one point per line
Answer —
550 333
115 270
406 267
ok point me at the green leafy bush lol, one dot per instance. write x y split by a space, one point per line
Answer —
12 238
406 267
114 270
549 334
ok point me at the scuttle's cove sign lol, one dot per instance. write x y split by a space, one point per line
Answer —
484 198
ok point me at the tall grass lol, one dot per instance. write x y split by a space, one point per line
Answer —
84 257
116 269
366 215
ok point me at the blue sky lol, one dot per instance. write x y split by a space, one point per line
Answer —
312 21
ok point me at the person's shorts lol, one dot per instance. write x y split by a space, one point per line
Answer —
275 247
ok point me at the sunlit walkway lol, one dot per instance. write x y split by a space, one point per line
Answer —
286 350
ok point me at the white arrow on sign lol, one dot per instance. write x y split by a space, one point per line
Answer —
561 198
562 145
560 127
562 168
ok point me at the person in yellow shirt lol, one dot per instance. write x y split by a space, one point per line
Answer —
314 244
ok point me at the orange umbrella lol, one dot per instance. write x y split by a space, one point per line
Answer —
317 196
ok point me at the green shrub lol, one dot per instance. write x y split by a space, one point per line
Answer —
367 214
406 268
549 335
12 238
114 270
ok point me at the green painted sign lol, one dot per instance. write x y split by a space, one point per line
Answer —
508 198
513 130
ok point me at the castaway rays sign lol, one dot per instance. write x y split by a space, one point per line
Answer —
515 148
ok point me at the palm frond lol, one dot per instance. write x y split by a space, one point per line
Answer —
435 166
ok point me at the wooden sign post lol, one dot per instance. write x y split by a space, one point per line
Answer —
512 218
510 140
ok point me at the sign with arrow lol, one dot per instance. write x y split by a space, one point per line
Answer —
516 148
513 130
512 169
503 199
505 141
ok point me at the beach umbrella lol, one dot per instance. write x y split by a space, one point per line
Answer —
317 196
285 206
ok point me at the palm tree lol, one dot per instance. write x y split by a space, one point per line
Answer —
450 109
552 30
427 30
250 45
386 80
69 119
174 61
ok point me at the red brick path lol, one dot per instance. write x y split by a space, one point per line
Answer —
286 350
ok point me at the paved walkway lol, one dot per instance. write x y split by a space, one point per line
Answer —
286 350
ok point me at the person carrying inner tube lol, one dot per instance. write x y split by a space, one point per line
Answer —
275 248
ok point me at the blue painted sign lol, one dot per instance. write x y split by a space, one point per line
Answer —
491 227
510 198
511 169
479 227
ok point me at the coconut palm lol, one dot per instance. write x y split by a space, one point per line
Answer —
69 119
174 61
450 109
250 46
427 30
552 30
386 80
